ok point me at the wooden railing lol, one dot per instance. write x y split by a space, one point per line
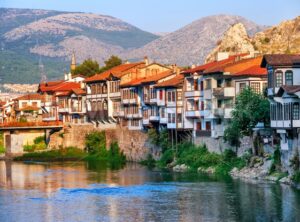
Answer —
31 124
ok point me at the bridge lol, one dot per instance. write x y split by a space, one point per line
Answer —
18 134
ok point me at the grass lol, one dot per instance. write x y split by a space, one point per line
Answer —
67 154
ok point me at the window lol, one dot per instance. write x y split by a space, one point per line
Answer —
34 104
171 96
163 112
24 104
242 86
198 126
208 84
179 95
255 86
296 115
171 117
179 117
161 94
289 78
278 79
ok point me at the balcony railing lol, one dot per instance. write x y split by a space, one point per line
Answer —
224 92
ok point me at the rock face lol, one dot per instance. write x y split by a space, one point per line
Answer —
235 40
284 38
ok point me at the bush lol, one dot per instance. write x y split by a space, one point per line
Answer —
2 149
40 139
38 144
150 161
95 143
296 177
166 158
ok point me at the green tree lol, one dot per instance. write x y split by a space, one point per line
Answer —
111 62
95 143
88 68
250 108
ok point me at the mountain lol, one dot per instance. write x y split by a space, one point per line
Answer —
283 38
190 44
28 34
41 41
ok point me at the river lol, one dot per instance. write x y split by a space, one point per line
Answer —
85 191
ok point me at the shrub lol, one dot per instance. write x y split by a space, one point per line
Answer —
149 161
95 142
153 136
114 152
2 149
296 177
40 139
166 158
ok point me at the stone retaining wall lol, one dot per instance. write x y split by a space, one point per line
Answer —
134 144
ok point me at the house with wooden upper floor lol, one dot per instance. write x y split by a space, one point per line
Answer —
138 93
210 91
283 93
104 95
172 108
28 107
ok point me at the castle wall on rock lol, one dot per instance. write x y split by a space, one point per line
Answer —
134 144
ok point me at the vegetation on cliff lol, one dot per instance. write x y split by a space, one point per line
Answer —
96 147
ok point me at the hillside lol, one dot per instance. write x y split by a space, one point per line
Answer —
28 34
283 38
190 44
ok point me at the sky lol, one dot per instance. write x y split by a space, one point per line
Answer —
170 15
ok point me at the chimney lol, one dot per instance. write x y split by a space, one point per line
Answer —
70 76
221 56
193 66
66 76
174 67
177 71
127 62
82 85
146 60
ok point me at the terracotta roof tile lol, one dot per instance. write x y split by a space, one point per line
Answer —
176 81
253 71
34 96
159 76
134 82
79 91
117 71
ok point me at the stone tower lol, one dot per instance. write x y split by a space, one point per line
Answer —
73 62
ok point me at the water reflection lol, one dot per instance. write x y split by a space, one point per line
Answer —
104 192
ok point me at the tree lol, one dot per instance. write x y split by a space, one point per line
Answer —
88 68
250 108
111 62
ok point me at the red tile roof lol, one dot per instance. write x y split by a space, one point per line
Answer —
175 82
34 96
253 71
117 71
63 86
79 91
159 76
150 79
215 65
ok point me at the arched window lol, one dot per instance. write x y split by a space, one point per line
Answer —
289 78
278 78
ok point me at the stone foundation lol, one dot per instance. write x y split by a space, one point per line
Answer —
134 144
218 145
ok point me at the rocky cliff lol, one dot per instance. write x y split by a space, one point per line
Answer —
283 38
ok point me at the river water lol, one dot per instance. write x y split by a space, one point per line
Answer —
96 192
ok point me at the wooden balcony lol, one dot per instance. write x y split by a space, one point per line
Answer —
100 115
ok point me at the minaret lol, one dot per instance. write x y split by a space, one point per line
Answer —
73 62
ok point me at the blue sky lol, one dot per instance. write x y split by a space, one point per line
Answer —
169 15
